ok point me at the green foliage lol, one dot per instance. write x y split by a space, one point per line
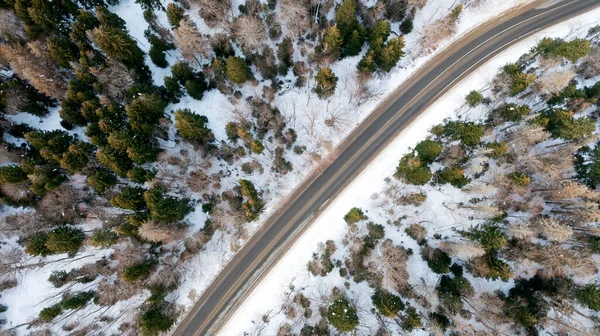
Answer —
51 144
452 290
332 42
49 313
253 204
137 271
587 165
490 236
469 133
115 42
154 321
237 70
256 146
387 303
115 160
561 124
184 75
77 301
174 14
589 295
130 198
354 215
453 175
342 315
412 320
512 112
525 303
520 179
12 174
490 267
572 50
499 148
166 209
103 238
594 243
144 112
346 19
412 170
140 175
326 82
158 292
474 98
36 245
193 127
31 100
519 81
285 51
407 26
62 51
438 260
382 55
65 239
158 49
353 45
76 157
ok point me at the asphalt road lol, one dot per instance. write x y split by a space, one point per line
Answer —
294 214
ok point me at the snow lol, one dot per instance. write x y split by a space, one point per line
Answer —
291 269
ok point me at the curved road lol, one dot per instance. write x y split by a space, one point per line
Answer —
294 214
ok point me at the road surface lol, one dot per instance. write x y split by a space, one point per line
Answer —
298 210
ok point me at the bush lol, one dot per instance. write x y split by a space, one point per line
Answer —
154 321
387 303
137 272
49 313
237 70
474 98
453 175
326 82
342 315
520 179
438 260
428 150
490 267
354 215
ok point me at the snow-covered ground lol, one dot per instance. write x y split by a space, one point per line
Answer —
291 269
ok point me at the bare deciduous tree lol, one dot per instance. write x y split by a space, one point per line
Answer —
394 259
249 32
115 79
192 44
553 230
553 82
590 67
296 15
214 12
164 233
464 249
33 63
11 25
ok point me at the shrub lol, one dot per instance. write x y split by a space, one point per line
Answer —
387 303
354 215
154 321
237 70
428 150
520 179
138 271
453 175
438 260
490 267
65 239
474 98
326 82
49 313
342 315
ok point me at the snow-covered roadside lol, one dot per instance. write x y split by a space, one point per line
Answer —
291 269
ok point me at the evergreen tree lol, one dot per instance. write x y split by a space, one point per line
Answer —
285 51
174 14
387 303
130 198
12 174
572 50
253 204
438 260
474 98
256 146
115 160
36 245
141 175
166 209
407 26
51 144
346 18
453 175
412 320
332 42
77 157
355 42
49 313
428 150
103 238
62 51
65 239
138 271
326 83
589 295
412 170
77 301
144 112
490 237
354 215
237 70
154 321
342 315
390 54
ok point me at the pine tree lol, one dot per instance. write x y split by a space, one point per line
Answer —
138 271
589 295
140 175
346 18
354 215
102 180
62 51
130 198
332 42
237 70
166 209
12 174
36 245
353 46
387 303
154 321
326 82
65 239
51 144
174 14
77 157
115 160
342 315
103 238
474 98
144 112
428 150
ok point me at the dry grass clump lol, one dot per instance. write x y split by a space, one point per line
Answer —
165 233
110 293
463 249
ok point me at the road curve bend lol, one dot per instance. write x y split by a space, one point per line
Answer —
298 210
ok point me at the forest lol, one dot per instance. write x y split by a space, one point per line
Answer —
113 181
489 225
